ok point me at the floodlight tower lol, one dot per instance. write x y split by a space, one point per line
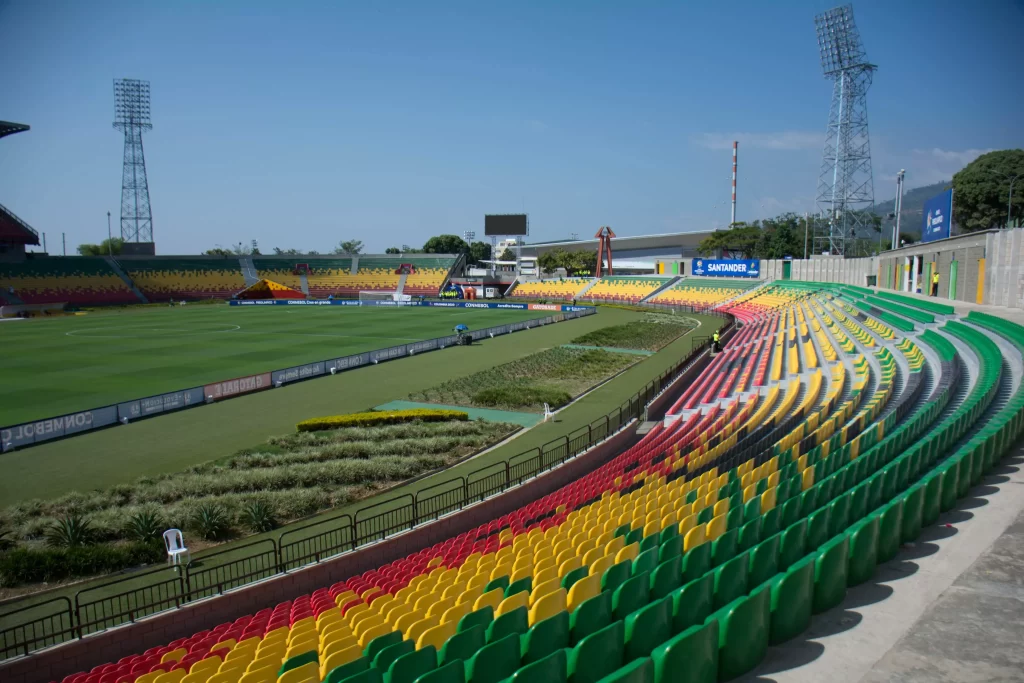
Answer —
845 185
131 115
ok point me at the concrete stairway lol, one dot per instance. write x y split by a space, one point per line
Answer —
668 284
248 271
116 267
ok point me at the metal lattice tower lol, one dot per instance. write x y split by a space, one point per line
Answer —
131 115
846 186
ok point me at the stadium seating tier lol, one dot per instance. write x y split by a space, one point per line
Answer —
79 280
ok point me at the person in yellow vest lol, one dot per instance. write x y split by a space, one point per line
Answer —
935 283
715 347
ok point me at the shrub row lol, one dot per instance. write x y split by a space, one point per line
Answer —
383 417
29 565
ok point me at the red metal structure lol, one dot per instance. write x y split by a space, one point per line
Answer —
604 246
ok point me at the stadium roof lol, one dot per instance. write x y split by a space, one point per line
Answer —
13 230
667 241
10 128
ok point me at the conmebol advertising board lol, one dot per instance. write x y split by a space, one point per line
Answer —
726 267
938 217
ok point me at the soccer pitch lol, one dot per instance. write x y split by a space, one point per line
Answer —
62 365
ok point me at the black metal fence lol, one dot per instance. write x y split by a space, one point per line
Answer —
127 598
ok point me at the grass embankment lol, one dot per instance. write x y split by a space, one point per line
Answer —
553 376
650 334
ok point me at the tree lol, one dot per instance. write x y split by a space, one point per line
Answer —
479 251
552 260
286 252
981 190
392 250
218 251
349 247
104 248
907 238
741 237
507 255
446 244
581 261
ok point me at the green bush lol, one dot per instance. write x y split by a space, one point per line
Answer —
145 525
259 516
650 335
25 565
72 531
211 522
6 540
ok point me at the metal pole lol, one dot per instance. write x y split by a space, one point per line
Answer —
44 244
735 147
64 241
110 246
1009 202
806 225
899 208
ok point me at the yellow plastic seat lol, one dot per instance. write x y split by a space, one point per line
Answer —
170 677
521 599
366 636
492 599
548 606
437 635
331 661
307 673
174 655
209 664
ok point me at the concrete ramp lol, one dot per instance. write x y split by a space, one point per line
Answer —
248 271
116 267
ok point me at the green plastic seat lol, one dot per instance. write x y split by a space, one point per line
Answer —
381 642
693 603
731 580
590 617
597 655
671 547
462 645
858 502
650 542
752 508
749 536
454 672
696 562
494 662
551 669
932 507
808 501
637 671
370 675
524 584
743 628
723 548
839 514
913 511
634 536
691 656
770 523
481 617
545 637
734 518
669 532
298 660
830 568
645 561
382 660
705 515
667 577
575 575
863 551
517 621
615 575
792 601
408 668
890 530
622 530
340 673
499 582
648 627
633 594
764 562
817 529
790 513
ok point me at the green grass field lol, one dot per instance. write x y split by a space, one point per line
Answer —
63 365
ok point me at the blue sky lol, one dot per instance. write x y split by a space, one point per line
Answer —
300 124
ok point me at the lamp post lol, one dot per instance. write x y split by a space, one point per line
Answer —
1009 200
110 246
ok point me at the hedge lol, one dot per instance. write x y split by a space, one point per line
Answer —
26 565
383 417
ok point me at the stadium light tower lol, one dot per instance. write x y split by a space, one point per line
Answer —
846 186
131 115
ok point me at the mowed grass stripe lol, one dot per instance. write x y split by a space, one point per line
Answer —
170 443
55 367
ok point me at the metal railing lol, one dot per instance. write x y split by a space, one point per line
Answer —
24 630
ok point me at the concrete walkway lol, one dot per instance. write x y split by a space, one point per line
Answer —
963 308
949 607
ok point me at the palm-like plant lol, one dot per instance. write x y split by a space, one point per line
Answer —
71 531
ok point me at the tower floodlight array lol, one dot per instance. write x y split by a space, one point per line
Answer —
131 115
845 185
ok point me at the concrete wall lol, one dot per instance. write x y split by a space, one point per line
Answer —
823 269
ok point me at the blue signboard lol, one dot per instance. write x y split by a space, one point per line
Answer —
437 304
726 267
938 217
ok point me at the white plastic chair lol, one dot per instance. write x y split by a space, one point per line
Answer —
175 545
548 413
